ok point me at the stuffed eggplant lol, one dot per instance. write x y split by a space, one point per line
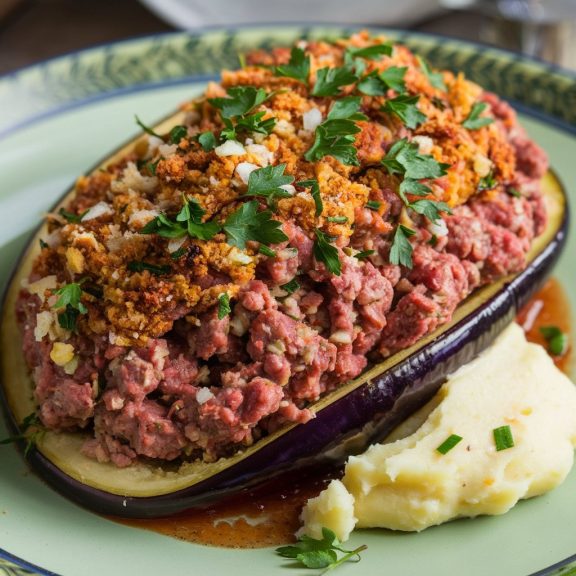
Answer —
274 276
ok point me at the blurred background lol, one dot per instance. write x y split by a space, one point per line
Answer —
33 30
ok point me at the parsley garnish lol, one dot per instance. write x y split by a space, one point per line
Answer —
404 158
370 52
404 107
178 253
43 244
323 553
435 78
71 217
223 305
253 123
151 167
248 224
503 438
267 182
291 287
377 83
514 192
329 81
401 251
373 204
298 67
337 219
188 221
488 182
335 136
70 299
364 254
208 141
474 121
147 129
325 252
449 443
240 101
177 133
263 249
315 193
556 340
140 266
31 421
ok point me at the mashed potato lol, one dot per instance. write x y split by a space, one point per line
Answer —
409 485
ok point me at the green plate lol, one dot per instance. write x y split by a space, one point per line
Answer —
58 118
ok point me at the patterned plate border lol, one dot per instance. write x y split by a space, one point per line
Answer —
51 87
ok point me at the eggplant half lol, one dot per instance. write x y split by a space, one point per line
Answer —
347 420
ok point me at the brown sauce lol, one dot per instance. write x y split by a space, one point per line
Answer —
268 515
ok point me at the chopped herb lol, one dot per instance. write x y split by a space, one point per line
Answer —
263 249
177 133
414 187
337 219
298 67
430 208
31 421
70 299
71 217
147 129
140 266
320 553
248 224
151 167
223 305
208 141
178 253
503 438
188 221
325 252
364 254
474 121
315 193
43 244
433 240
329 81
449 443
240 101
435 78
404 107
377 83
488 182
291 287
254 123
267 183
373 204
556 340
404 158
514 192
335 136
401 251
371 52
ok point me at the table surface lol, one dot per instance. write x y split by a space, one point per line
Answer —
33 30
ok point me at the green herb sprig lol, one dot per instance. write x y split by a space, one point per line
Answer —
474 120
32 421
267 183
297 68
325 251
70 300
320 553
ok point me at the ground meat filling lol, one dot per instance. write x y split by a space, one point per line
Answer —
188 348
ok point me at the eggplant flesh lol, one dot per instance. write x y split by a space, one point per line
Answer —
347 420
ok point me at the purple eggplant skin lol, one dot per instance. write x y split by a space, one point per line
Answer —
364 415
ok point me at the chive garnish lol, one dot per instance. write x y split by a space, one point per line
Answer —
449 443
503 438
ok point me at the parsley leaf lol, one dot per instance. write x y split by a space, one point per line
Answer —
263 249
430 208
298 67
207 140
290 287
240 101
315 193
320 553
404 107
140 266
404 158
32 421
248 224
474 121
177 133
488 182
70 299
325 252
267 182
335 136
435 78
147 129
329 81
71 217
370 52
364 254
223 305
255 123
401 251
337 219
377 83
373 204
